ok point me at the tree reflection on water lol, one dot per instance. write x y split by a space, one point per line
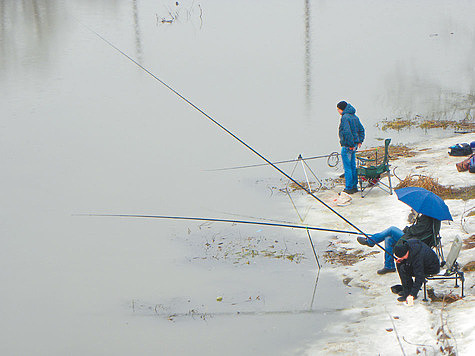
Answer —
29 30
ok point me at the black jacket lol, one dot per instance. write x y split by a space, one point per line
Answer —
423 229
421 262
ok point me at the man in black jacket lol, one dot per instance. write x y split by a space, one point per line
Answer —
424 228
414 259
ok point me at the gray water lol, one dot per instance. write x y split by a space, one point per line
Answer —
84 130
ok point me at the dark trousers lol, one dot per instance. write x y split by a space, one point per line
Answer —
406 274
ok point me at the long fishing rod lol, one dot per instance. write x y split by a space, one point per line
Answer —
235 137
333 154
247 222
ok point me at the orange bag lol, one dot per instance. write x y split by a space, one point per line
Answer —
464 165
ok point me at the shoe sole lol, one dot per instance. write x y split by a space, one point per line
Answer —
382 273
362 241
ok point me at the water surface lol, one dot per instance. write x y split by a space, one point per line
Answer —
85 130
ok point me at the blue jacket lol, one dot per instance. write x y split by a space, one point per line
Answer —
351 131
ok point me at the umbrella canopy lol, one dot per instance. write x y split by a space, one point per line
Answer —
424 202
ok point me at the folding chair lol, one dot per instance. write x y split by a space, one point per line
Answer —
434 241
371 172
452 267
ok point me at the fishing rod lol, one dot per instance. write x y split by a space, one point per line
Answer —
248 222
235 137
331 155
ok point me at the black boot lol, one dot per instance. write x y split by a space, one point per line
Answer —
386 270
362 240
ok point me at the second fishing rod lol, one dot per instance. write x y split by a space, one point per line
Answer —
233 221
236 137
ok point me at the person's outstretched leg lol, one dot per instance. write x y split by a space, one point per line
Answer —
390 236
392 232
389 242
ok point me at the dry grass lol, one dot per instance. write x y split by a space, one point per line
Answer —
400 123
432 184
469 243
327 184
395 152
345 256
396 124
447 298
469 267
294 187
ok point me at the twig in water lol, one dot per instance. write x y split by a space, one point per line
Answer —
201 16
395 330
271 191
413 343
286 249
443 334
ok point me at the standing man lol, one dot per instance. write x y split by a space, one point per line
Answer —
352 135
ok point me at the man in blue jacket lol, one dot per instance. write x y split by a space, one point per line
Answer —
352 135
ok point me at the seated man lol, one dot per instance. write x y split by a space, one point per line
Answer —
414 259
424 229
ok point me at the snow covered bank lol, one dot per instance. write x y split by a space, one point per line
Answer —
377 323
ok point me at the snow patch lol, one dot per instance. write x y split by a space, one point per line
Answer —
376 323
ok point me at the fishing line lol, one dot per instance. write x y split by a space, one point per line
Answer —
233 135
333 156
252 217
203 315
293 226
302 219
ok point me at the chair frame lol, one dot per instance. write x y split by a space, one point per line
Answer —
452 272
364 164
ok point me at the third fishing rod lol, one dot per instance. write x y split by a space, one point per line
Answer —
234 136
332 161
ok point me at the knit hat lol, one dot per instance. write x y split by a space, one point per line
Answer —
400 250
342 105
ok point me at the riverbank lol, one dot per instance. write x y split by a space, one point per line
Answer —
376 323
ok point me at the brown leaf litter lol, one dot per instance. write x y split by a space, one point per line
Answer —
469 243
418 122
433 185
469 267
294 187
446 298
395 152
345 256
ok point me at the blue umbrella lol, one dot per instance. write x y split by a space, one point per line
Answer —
424 202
